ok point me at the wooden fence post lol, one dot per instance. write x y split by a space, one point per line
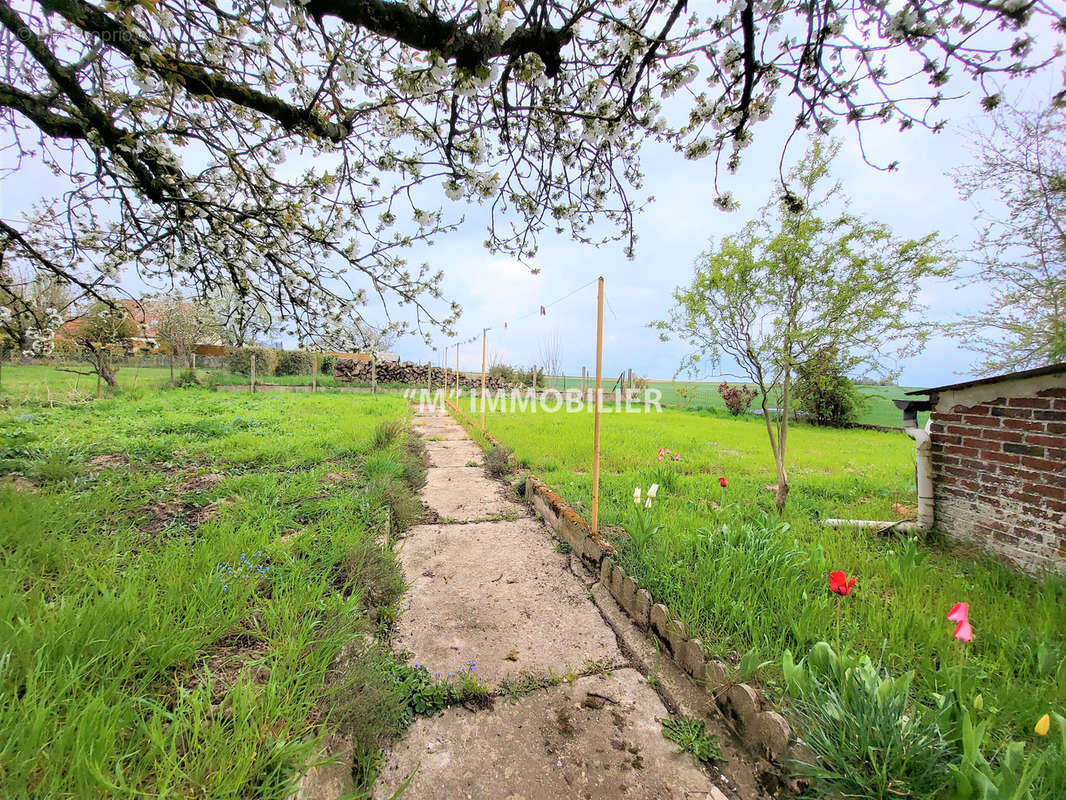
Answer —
457 374
314 372
484 338
596 425
252 371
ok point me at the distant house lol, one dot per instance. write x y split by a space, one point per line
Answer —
147 313
998 463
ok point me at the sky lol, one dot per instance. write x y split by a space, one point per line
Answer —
918 198
503 295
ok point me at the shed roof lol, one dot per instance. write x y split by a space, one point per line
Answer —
1050 369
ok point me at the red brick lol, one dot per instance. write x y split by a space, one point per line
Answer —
1015 413
1029 402
1040 463
969 441
983 422
1002 436
980 408
1002 458
1055 427
1059 404
1054 492
1049 416
1047 441
1024 449
939 417
1057 391
960 430
1023 425
959 450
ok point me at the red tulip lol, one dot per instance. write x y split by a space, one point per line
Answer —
963 632
723 482
839 583
960 612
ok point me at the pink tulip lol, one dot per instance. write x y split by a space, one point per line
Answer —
963 632
960 612
677 458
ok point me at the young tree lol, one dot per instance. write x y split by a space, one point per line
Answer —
1021 255
182 324
551 354
100 334
805 277
240 320
280 147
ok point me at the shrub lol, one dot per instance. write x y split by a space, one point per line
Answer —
239 360
736 398
293 362
827 397
326 364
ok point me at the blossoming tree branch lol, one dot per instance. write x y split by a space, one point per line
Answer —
280 150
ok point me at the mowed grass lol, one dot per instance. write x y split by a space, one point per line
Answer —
751 585
181 570
879 409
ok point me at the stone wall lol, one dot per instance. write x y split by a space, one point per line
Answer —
999 468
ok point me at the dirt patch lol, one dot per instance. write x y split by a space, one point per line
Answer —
337 477
200 483
108 460
20 484
162 513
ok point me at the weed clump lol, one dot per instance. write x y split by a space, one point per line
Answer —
499 461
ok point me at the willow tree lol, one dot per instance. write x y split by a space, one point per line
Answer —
804 278
291 151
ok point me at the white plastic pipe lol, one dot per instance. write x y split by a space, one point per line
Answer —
924 480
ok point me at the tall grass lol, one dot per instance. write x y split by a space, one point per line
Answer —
171 621
750 583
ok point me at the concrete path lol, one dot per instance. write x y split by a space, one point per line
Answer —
488 586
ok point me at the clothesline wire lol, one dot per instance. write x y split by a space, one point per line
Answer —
537 310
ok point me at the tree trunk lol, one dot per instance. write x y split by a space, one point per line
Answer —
171 369
373 375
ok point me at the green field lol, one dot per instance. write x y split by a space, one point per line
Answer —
751 586
181 571
695 395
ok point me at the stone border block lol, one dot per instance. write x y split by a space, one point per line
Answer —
605 571
676 636
692 658
659 616
741 704
641 608
771 733
714 675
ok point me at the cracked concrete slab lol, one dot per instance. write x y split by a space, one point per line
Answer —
466 494
498 594
453 453
597 738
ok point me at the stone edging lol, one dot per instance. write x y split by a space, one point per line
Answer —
739 703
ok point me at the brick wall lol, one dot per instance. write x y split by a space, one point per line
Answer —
999 470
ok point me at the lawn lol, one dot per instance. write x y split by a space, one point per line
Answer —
37 384
879 409
181 571
751 585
